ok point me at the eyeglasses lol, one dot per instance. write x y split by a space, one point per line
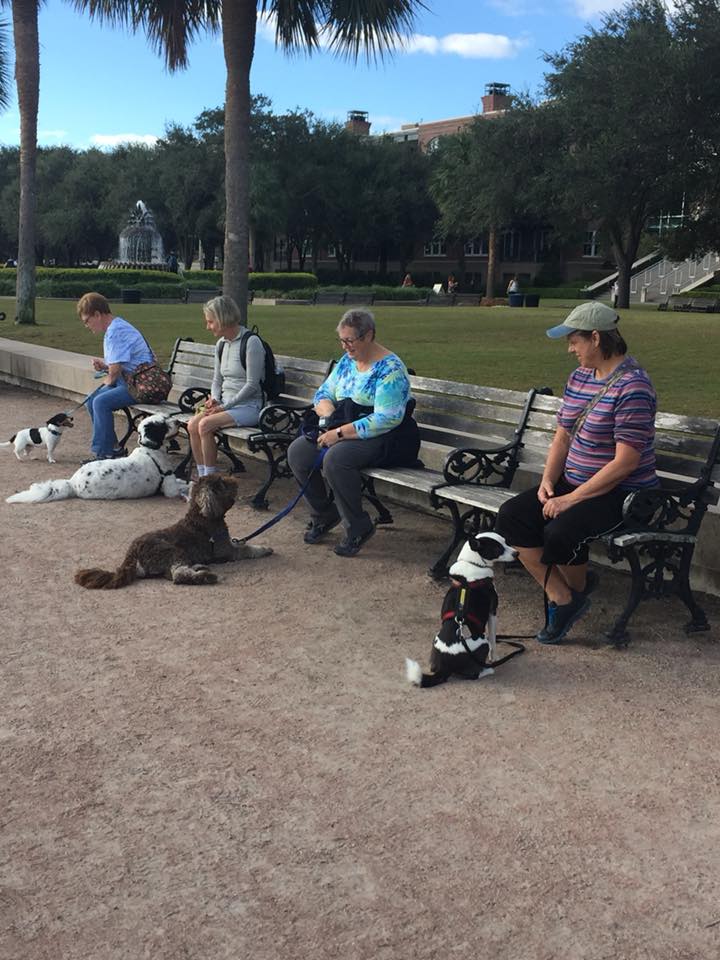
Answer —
349 341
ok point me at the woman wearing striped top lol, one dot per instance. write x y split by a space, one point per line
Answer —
603 448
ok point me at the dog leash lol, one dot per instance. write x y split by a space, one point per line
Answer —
286 510
460 620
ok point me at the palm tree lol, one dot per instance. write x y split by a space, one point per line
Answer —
27 79
348 27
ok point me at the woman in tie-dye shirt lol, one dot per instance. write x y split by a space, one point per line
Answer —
367 400
603 449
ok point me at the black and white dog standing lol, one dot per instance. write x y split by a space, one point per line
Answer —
465 643
50 434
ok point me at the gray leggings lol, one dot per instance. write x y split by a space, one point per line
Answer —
341 471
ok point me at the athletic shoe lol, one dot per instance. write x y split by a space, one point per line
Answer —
351 545
317 529
562 616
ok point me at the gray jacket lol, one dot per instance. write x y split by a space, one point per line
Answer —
232 384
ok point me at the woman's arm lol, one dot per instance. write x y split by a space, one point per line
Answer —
625 462
554 465
114 373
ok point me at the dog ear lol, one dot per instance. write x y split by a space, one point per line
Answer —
154 431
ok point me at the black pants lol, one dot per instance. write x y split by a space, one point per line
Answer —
563 539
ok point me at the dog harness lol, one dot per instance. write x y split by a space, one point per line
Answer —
461 619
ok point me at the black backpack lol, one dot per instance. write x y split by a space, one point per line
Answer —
273 380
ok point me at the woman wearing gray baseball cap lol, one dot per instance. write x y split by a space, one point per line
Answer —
603 449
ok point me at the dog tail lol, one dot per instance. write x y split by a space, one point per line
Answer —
96 579
43 492
414 674
8 443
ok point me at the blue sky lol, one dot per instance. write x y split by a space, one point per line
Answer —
100 86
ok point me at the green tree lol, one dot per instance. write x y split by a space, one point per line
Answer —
618 94
348 26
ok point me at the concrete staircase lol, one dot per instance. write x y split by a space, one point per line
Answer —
654 278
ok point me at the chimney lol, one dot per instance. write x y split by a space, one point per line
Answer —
497 97
358 123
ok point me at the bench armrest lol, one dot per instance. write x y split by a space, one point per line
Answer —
494 467
190 398
659 511
282 418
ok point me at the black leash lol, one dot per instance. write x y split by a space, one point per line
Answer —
503 638
286 510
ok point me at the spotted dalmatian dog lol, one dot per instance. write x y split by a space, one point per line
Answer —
145 472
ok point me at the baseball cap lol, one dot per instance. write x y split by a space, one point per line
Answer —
588 316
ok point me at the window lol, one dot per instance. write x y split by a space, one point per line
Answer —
280 248
591 246
510 245
436 248
331 251
543 240
476 247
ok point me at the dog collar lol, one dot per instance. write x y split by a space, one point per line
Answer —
55 433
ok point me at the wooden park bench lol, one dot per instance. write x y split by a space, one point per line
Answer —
466 299
196 295
191 367
342 297
495 442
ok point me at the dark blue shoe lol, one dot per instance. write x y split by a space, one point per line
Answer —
562 616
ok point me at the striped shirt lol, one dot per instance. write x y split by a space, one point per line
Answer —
625 414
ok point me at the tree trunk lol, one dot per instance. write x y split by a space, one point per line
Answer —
238 27
492 262
27 78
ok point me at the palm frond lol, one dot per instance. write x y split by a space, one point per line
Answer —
170 25
4 65
348 27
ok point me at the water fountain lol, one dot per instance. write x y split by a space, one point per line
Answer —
141 245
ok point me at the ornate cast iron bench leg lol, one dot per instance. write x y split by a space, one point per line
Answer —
383 514
699 622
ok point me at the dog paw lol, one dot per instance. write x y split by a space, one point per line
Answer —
245 551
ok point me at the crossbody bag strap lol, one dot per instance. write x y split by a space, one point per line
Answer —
613 379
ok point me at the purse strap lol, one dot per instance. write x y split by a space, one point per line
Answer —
612 379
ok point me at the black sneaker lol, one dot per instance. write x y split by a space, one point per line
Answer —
317 529
349 546
562 616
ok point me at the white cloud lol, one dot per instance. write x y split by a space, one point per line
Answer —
114 139
52 134
486 46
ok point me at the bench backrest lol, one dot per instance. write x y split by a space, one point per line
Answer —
192 366
452 415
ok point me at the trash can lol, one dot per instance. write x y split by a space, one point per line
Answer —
516 299
130 295
532 299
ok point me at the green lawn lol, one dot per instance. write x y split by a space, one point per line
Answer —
498 346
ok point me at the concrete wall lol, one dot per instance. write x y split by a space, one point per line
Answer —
70 375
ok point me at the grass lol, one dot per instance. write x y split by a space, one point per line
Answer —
497 346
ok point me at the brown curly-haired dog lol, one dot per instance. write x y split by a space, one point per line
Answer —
182 552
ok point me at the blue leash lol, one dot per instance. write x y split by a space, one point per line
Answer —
286 510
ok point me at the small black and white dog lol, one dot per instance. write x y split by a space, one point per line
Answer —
465 644
31 437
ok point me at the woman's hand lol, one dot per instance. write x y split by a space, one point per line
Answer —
212 406
546 490
99 364
557 505
328 439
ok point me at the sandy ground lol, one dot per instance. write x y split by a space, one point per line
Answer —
241 771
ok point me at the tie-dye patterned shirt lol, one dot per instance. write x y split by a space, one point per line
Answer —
625 414
385 387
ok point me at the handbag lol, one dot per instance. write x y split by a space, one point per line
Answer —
148 382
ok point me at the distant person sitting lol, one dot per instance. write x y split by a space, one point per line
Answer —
452 285
407 281
514 285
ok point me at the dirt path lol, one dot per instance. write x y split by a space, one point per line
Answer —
240 771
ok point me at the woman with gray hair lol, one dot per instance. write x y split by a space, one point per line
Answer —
365 419
236 396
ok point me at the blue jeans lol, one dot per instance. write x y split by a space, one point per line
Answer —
100 405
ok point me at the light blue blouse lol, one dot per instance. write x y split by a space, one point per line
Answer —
385 387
